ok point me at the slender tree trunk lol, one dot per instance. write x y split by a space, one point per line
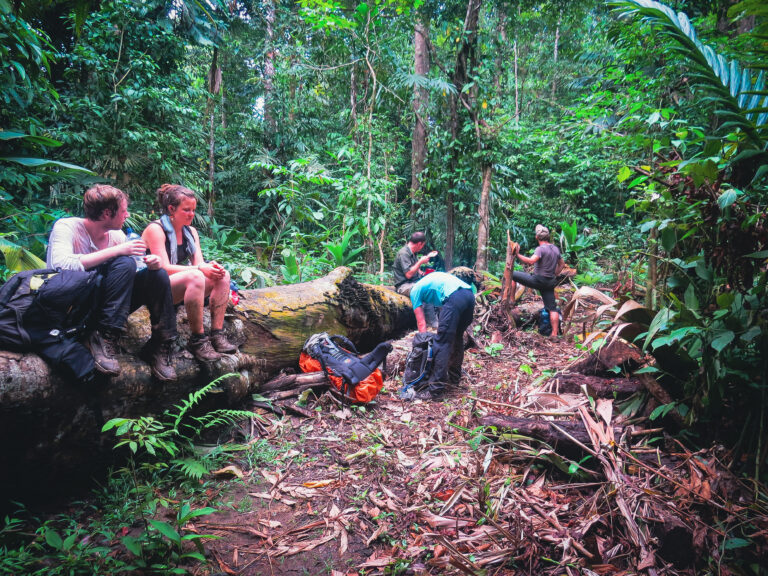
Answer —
269 66
517 89
554 57
449 197
419 140
214 86
483 212
464 60
371 109
650 291
353 102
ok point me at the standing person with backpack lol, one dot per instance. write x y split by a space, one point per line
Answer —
176 243
406 271
546 260
97 242
458 306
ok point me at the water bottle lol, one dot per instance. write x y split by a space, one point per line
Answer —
131 235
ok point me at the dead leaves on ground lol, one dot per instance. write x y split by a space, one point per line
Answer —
420 485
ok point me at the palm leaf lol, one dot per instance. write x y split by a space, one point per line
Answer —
18 258
729 84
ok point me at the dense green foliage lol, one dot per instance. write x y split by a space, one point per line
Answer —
293 123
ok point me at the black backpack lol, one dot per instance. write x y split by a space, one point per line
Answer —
44 311
339 354
418 364
544 321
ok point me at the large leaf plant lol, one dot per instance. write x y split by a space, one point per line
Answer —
700 205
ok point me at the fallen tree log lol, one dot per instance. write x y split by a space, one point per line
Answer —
596 386
55 424
616 353
568 437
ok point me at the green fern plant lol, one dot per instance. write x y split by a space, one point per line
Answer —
175 431
739 99
157 439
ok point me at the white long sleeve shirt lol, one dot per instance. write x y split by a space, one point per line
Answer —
70 239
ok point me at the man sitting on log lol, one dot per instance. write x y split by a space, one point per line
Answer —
406 271
546 260
458 306
97 241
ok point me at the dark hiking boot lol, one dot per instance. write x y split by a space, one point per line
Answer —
160 359
104 347
221 344
201 347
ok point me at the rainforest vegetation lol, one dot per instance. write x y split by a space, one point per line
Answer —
321 133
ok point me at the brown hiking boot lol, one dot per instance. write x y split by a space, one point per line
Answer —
220 342
201 347
159 357
104 347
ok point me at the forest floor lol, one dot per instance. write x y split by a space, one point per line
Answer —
398 487
552 457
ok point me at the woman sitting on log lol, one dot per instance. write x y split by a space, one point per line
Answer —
546 260
177 243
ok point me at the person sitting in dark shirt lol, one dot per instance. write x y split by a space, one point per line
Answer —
406 270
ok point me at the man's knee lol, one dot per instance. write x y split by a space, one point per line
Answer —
120 265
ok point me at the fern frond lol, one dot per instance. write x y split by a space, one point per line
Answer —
222 417
403 80
193 399
192 467
727 81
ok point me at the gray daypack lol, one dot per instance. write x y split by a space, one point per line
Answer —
418 364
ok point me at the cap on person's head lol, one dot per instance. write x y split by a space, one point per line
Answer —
417 237
542 232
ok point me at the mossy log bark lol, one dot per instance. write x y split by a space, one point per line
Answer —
52 427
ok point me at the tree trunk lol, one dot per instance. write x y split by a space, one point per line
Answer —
554 58
55 424
420 95
651 281
483 213
214 86
353 103
460 79
269 66
517 89
507 297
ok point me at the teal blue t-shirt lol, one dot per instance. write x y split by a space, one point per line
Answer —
435 288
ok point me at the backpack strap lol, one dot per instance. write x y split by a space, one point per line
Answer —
165 223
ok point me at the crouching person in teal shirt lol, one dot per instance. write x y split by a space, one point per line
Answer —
457 300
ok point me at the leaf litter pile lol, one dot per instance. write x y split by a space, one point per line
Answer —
543 461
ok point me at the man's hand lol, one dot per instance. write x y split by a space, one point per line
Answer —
134 248
153 262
